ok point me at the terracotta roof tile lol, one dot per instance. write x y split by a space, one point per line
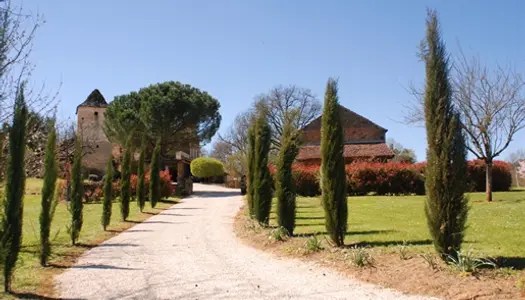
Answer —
350 151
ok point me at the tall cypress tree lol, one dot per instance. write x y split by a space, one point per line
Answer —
262 200
141 185
14 190
108 194
251 169
446 207
333 167
77 190
286 191
154 181
49 202
125 184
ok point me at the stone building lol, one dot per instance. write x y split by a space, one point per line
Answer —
363 139
97 148
90 122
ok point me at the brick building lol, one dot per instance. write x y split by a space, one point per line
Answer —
363 139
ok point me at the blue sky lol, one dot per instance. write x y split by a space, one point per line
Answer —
236 49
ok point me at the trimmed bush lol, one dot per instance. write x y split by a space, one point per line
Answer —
166 188
501 175
206 167
501 179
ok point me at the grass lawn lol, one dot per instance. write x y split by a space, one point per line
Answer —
494 229
29 277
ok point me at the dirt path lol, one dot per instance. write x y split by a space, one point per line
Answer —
190 252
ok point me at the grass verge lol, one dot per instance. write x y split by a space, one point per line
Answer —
31 281
393 232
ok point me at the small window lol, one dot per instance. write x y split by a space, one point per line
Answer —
82 118
97 146
96 113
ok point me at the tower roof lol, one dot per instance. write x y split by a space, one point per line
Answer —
95 99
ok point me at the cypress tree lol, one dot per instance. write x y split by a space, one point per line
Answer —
154 182
446 207
286 190
251 169
49 202
108 194
141 185
14 190
125 184
77 191
333 175
262 201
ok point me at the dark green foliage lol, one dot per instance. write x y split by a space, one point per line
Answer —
49 201
262 201
14 190
108 194
333 177
154 182
286 190
163 111
206 167
76 205
141 173
125 183
446 207
251 169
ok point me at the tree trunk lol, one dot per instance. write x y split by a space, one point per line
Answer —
488 173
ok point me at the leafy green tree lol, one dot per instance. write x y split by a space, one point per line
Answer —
333 177
77 190
141 185
177 114
206 167
251 169
108 194
446 207
286 191
14 190
125 182
49 201
262 179
154 182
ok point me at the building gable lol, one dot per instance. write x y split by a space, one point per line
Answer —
357 128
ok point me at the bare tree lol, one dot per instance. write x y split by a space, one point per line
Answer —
491 103
221 150
236 136
283 104
17 33
401 153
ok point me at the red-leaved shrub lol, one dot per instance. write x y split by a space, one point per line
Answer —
395 178
501 175
166 188
93 191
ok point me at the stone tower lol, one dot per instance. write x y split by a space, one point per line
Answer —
90 122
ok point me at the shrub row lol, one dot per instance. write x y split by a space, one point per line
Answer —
93 190
395 178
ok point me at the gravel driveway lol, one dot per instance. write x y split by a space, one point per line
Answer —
190 252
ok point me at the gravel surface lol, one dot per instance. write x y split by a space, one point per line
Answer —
190 252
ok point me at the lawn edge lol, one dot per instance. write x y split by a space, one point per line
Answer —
331 257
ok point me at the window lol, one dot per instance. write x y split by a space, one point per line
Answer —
97 146
96 113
